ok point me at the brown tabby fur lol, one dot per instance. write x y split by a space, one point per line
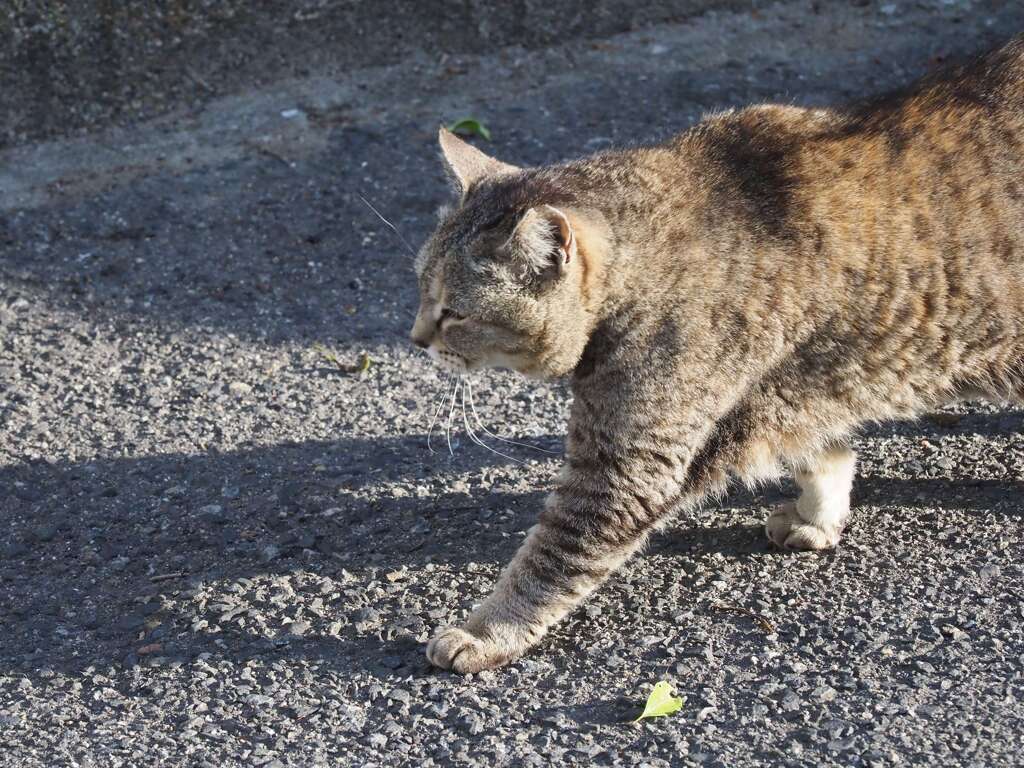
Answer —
734 301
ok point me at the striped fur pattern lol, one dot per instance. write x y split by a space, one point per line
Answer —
731 304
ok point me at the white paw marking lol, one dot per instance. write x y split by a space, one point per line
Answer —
787 529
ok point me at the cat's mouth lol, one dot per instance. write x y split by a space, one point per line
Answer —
453 361
450 360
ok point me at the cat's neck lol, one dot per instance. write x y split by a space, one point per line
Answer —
629 210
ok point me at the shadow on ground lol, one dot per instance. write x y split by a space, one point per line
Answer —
277 251
137 538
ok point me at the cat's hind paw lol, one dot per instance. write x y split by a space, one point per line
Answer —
458 650
787 529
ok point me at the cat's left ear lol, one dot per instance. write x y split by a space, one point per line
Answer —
466 164
545 239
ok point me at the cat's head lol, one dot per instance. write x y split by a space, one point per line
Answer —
509 277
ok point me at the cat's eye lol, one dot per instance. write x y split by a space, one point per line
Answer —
447 313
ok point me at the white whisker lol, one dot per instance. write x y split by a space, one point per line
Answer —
451 413
486 431
444 399
473 436
393 227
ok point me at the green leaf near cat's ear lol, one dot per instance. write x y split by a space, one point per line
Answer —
467 126
661 702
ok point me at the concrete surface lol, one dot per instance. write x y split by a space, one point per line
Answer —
223 546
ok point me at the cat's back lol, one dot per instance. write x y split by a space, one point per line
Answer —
911 174
951 130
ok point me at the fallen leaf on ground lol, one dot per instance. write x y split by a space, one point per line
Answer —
327 355
362 365
762 622
661 702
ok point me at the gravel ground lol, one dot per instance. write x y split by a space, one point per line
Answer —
226 545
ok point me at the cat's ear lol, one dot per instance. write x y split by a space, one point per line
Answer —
466 164
545 239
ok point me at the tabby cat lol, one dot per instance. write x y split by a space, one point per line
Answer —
730 303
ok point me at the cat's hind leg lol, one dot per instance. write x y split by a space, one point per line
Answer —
816 519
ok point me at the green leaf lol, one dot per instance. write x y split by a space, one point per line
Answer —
661 702
467 126
327 355
361 366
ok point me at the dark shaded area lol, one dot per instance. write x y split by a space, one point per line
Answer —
115 524
231 248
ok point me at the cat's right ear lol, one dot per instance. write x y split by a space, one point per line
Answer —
544 240
467 165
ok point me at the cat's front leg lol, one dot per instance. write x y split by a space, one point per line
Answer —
590 526
553 571
547 578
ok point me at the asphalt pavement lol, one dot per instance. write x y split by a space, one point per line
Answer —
226 539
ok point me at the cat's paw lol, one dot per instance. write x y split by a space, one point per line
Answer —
787 529
458 650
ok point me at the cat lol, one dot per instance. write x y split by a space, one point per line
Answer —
731 303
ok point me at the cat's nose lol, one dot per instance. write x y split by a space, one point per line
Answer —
422 333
